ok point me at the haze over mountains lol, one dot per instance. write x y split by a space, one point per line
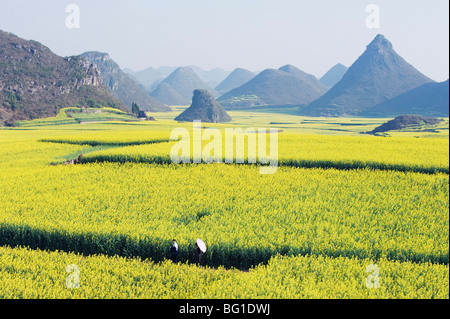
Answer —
151 77
177 88
237 78
334 75
35 83
212 77
364 89
377 76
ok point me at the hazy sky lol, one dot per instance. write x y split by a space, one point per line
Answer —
254 34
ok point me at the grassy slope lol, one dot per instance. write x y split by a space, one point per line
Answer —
74 115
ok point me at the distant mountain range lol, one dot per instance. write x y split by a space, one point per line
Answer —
36 83
380 83
121 85
377 76
151 77
212 77
285 86
334 75
178 87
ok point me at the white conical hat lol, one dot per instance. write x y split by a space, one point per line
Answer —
201 245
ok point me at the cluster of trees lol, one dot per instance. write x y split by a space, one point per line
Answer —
136 110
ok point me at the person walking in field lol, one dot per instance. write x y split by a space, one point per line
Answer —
174 251
200 248
197 255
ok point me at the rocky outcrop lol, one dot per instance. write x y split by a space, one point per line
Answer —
121 85
405 121
35 82
204 108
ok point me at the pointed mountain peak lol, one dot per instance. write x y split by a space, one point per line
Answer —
184 73
378 75
380 43
334 75
183 81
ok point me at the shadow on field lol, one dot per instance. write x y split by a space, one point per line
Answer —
156 249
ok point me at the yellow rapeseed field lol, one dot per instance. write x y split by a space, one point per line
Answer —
335 205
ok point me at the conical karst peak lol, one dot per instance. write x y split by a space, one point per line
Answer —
380 43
